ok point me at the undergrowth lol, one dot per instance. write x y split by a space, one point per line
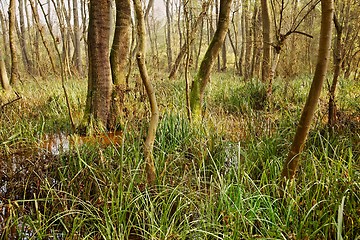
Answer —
215 181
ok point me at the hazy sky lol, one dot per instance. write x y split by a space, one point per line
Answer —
159 8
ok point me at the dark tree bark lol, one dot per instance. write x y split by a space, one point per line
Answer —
223 56
99 77
337 65
265 69
292 162
202 77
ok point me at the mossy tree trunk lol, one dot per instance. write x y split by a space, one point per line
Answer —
292 162
119 57
14 77
140 56
202 77
99 76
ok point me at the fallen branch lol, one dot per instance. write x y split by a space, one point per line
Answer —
18 97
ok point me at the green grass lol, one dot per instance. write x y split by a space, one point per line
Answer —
216 181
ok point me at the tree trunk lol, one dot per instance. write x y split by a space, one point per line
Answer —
119 58
200 43
77 35
14 77
99 78
168 34
265 69
223 57
5 39
337 65
292 162
248 40
140 56
21 33
202 77
4 80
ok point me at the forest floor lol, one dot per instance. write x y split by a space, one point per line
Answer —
215 181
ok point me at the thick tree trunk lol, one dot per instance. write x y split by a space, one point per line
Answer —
140 56
14 77
119 57
292 162
5 39
265 69
99 78
202 77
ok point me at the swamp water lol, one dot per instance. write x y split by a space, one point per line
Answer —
22 173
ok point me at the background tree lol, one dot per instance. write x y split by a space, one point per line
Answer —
77 58
292 161
265 69
202 77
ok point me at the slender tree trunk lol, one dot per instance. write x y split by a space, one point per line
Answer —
265 69
4 80
292 162
189 41
140 56
77 34
179 26
99 79
22 35
200 43
255 37
223 57
243 42
14 77
84 17
202 77
337 65
119 57
168 34
40 30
